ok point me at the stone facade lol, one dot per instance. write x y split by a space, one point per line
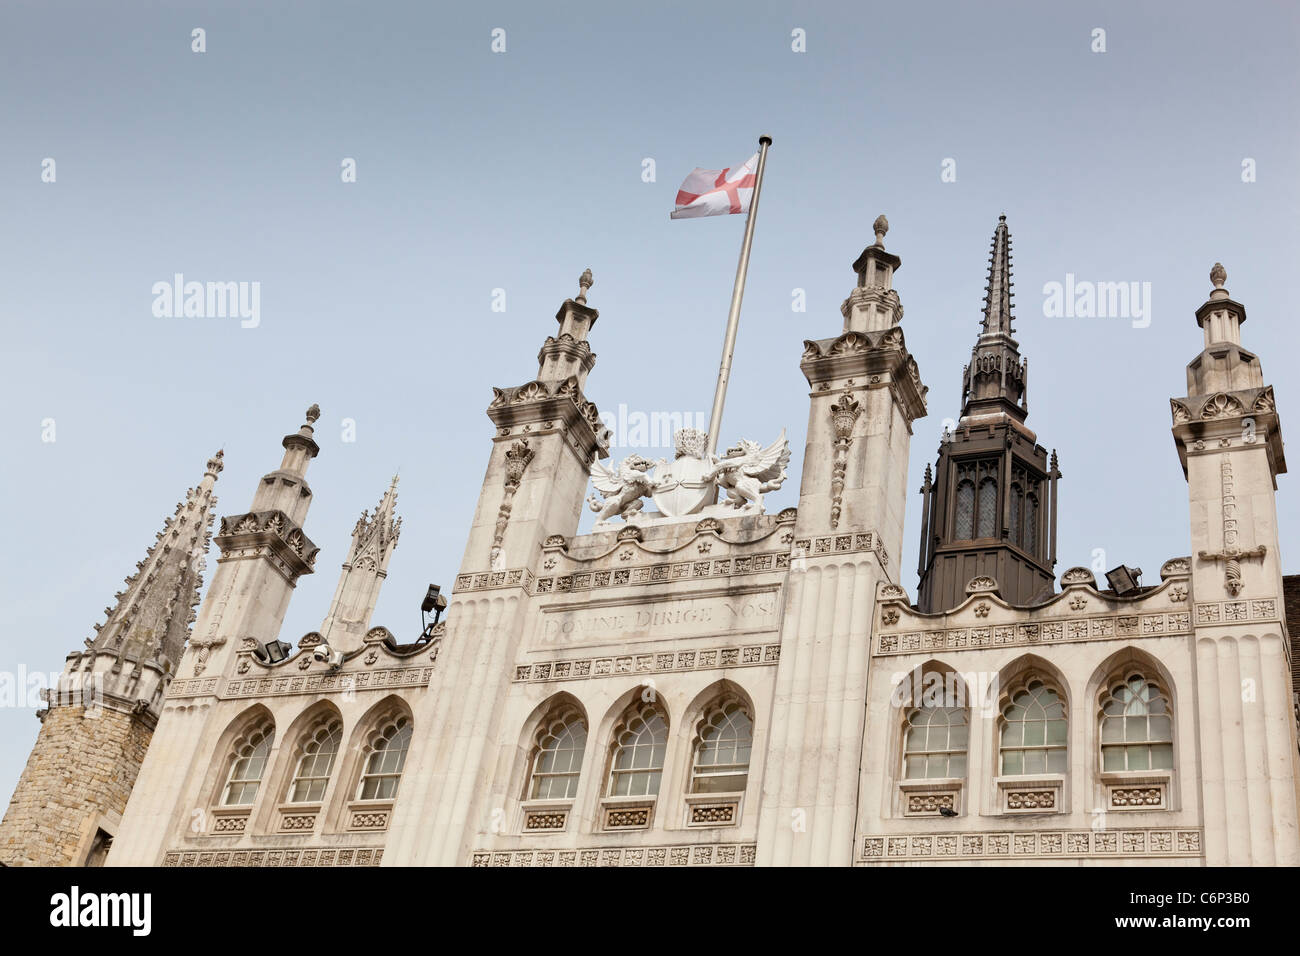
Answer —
715 685
74 787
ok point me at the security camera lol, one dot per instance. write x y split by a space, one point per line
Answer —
327 655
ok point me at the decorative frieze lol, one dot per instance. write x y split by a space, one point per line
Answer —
714 814
930 804
335 856
1069 630
622 817
587 667
329 683
709 854
1028 800
491 580
1037 845
543 820
659 573
841 544
1137 798
1227 612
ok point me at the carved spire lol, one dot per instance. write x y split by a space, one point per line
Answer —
994 383
152 616
997 300
374 538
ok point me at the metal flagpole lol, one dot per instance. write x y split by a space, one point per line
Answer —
737 293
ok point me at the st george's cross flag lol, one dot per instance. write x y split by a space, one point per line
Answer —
716 192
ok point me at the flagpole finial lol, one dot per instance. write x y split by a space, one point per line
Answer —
880 227
765 140
585 282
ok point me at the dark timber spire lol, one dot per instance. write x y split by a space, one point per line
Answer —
994 382
991 509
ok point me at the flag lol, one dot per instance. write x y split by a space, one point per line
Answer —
716 192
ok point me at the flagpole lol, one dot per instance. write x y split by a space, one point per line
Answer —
737 293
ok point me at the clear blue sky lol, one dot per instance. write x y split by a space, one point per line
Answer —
479 171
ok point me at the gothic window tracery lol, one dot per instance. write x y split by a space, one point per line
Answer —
1136 725
976 500
1034 731
249 756
640 744
557 758
312 775
385 759
725 737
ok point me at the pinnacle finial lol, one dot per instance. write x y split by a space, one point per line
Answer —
585 282
880 227
1218 275
313 414
216 463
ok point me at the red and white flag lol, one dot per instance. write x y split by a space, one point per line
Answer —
717 192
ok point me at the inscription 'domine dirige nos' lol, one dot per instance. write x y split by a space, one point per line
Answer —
686 618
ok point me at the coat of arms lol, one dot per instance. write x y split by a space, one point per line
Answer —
689 484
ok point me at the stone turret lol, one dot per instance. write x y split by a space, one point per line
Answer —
102 714
865 393
1229 441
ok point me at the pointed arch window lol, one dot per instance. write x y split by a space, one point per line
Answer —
386 758
1034 731
312 775
722 750
934 743
1136 726
964 526
247 764
640 744
988 508
557 757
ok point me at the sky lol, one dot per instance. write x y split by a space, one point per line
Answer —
480 170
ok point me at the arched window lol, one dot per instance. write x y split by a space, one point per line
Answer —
247 764
964 526
640 743
312 774
725 738
934 743
1136 726
988 508
1034 731
557 759
386 757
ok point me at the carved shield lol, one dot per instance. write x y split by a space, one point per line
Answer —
682 489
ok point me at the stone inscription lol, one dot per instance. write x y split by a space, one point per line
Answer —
688 617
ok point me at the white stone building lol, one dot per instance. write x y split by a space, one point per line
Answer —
712 685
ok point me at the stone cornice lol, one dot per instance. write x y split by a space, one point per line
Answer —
552 406
873 360
267 533
1218 421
